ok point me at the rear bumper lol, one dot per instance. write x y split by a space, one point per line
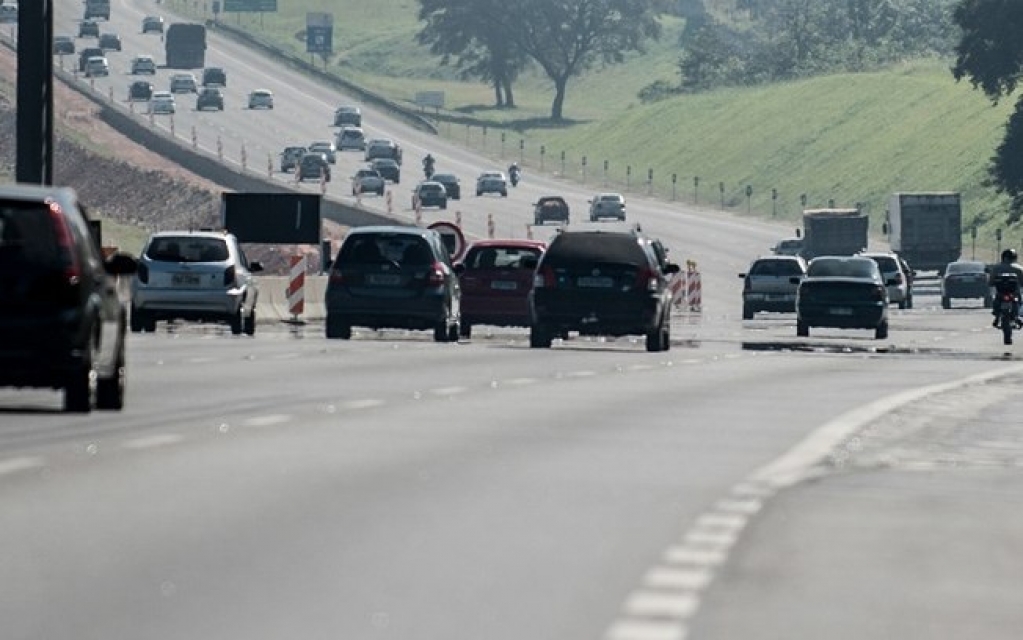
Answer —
170 304
40 351
774 303
420 312
967 290
843 315
613 318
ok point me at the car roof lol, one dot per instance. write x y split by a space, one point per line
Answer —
391 229
437 177
779 259
386 161
321 143
262 91
430 183
508 242
97 58
348 109
174 233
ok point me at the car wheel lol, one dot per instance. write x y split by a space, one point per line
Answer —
336 329
988 301
666 335
504 194
465 330
136 321
444 205
539 337
802 329
440 331
78 388
110 391
946 302
881 333
747 312
249 326
902 305
655 338
454 331
235 323
380 192
478 193
909 302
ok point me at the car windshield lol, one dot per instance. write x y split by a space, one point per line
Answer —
842 268
187 249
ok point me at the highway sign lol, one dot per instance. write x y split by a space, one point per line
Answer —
452 236
263 6
272 218
319 33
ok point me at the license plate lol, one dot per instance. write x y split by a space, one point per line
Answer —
841 311
504 285
185 280
595 282
383 279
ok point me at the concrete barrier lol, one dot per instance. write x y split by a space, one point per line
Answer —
272 306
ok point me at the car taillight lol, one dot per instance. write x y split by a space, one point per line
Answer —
879 292
229 276
436 277
337 277
65 245
647 279
746 284
544 277
143 272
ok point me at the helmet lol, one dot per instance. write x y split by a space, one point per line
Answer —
1009 255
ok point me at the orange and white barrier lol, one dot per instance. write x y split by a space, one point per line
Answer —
458 219
390 201
529 232
694 287
490 225
296 286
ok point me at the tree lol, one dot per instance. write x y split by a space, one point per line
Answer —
462 29
566 37
990 53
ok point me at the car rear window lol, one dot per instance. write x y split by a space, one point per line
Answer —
776 268
27 237
966 267
886 264
574 248
187 249
842 268
375 248
498 257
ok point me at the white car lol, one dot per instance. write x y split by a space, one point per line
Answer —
97 66
162 102
261 99
351 138
607 205
492 182
183 83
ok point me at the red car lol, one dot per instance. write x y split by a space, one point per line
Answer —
495 284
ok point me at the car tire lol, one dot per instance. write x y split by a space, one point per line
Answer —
802 329
444 205
235 322
110 391
465 330
747 312
454 331
249 326
909 302
440 331
539 337
504 194
988 301
881 332
136 321
478 193
946 302
653 338
78 387
338 330
666 335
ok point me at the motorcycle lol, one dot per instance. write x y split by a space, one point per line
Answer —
1008 307
514 177
428 171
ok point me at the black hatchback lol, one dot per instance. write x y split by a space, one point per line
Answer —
62 322
602 283
393 277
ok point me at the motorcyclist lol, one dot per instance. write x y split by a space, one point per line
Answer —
1007 267
428 163
513 173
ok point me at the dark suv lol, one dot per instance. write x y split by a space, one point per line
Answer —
209 98
550 208
393 277
214 77
602 283
62 323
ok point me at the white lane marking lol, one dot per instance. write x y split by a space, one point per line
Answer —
694 556
266 421
519 382
366 403
14 465
580 374
153 441
671 578
692 361
630 629
204 360
641 367
655 604
448 391
714 533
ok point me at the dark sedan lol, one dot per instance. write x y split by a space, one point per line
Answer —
842 292
388 169
451 184
140 91
965 279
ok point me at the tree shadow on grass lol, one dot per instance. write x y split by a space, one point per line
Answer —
475 115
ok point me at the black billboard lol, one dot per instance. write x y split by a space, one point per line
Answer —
272 218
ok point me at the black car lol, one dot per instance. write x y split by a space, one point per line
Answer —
85 54
451 184
966 279
602 283
842 292
550 208
140 91
63 45
210 98
429 194
110 42
88 29
152 23
393 277
62 324
388 168
313 166
214 76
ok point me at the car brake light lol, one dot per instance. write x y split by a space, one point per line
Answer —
544 277
229 276
436 278
647 279
879 292
337 277
65 245
143 272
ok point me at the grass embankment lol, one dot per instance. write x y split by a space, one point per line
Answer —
854 138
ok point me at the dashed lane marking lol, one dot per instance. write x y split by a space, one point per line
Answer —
14 465
448 391
153 441
672 578
632 629
266 421
656 604
519 382
365 403
694 556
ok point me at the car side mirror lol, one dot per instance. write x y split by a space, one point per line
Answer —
529 262
671 268
255 266
742 275
121 264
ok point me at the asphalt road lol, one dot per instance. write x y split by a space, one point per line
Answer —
745 484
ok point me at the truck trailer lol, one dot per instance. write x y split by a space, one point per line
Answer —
185 46
926 229
834 232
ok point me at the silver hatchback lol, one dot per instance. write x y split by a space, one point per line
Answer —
768 286
194 275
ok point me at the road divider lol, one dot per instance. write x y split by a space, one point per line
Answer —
275 301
